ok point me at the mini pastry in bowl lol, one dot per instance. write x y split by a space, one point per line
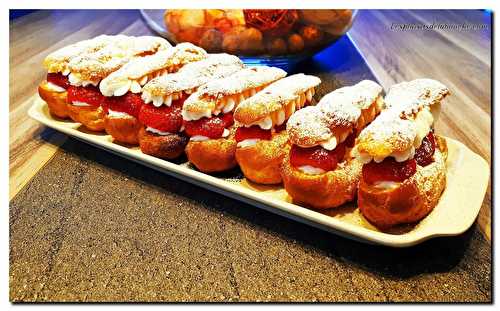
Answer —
262 141
404 171
208 116
88 69
162 132
123 88
319 170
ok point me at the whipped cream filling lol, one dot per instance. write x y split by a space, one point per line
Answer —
55 88
155 131
120 88
247 142
198 138
79 104
311 170
388 185
192 116
203 138
159 100
118 114
265 124
77 81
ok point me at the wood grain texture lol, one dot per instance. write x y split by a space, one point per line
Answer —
32 37
460 59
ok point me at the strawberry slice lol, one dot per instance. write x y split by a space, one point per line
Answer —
389 170
129 103
252 132
424 153
58 79
165 119
317 156
209 127
86 94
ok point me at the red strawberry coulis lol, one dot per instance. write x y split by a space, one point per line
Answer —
252 132
58 79
391 170
317 157
129 103
424 154
209 127
85 94
163 118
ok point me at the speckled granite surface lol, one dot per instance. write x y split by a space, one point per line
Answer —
94 227
91 226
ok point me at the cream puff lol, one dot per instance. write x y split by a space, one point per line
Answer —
53 89
319 170
162 132
88 69
122 89
208 116
404 161
262 141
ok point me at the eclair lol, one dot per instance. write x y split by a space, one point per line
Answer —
53 89
262 140
88 69
404 162
161 134
208 116
122 89
319 170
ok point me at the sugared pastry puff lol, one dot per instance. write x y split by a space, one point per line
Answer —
208 116
122 89
404 171
53 89
88 69
319 170
262 141
161 134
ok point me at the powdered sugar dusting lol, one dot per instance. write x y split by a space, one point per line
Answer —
181 54
167 60
241 80
58 60
294 84
341 107
389 127
410 97
192 75
99 64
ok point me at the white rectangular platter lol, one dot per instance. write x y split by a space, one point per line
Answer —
467 180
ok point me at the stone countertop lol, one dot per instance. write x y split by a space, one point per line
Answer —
95 227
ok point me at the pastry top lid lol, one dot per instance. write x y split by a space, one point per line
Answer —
410 97
336 111
139 67
194 74
97 65
387 134
274 97
241 81
206 97
406 121
58 60
294 84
